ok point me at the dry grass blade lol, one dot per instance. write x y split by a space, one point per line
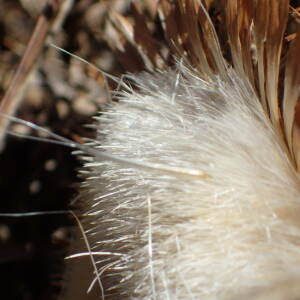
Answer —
12 98
269 25
191 37
211 41
260 32
278 11
185 23
291 96
233 36
239 16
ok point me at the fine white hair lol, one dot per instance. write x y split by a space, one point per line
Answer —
225 223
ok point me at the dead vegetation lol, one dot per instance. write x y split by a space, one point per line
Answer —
62 93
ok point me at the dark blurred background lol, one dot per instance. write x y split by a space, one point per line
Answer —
62 94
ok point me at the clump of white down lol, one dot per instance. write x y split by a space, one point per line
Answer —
233 227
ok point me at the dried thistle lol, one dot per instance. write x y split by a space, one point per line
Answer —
200 199
212 211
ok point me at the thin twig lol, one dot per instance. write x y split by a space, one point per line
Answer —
13 96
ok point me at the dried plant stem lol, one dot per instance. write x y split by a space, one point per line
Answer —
13 95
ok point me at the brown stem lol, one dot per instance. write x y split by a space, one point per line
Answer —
13 95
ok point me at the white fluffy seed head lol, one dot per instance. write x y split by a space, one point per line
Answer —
178 236
200 198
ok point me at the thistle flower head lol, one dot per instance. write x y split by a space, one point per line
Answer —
212 211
